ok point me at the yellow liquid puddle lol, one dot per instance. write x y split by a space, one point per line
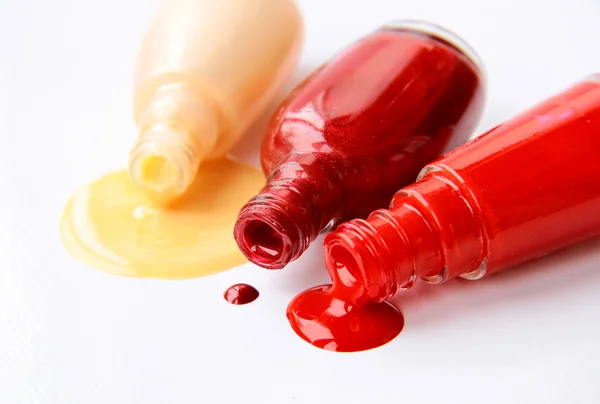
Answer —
111 226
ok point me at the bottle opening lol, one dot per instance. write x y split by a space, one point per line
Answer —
163 163
158 177
344 267
263 242
276 226
359 259
159 173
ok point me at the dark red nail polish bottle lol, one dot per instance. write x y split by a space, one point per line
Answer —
357 129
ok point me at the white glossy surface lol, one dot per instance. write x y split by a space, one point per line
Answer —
70 334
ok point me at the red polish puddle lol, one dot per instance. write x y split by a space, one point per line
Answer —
332 324
241 293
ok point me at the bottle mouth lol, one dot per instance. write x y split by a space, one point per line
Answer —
345 268
162 164
264 240
158 176
360 262
276 226
264 243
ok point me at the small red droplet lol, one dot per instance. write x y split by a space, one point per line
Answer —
240 293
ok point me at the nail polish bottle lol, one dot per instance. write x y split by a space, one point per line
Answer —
357 129
206 70
524 189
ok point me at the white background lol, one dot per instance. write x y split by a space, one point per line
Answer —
71 334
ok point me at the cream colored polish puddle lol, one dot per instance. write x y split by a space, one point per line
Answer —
110 225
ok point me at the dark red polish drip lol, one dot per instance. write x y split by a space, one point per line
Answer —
326 322
240 293
357 129
526 188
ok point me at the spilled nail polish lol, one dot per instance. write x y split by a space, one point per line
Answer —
325 321
240 293
109 225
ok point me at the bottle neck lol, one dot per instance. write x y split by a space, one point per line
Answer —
431 232
300 199
178 129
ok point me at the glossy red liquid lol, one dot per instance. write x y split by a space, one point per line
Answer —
524 189
329 323
240 293
357 129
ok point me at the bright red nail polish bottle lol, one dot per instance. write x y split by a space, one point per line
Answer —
357 129
522 190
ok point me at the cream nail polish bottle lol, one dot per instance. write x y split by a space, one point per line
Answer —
206 70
